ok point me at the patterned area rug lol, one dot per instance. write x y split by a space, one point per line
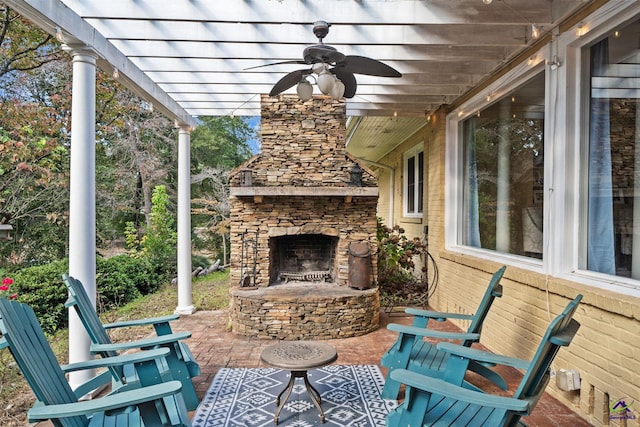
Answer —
246 397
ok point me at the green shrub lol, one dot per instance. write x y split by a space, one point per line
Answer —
119 280
138 273
41 287
199 261
396 266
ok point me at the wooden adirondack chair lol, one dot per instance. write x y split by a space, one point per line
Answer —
151 402
412 352
443 402
181 363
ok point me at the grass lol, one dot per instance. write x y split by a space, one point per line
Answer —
209 293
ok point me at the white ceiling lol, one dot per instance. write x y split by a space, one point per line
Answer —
190 57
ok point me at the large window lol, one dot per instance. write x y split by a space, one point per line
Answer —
413 182
502 173
543 164
611 182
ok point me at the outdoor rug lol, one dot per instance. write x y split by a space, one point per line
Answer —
246 397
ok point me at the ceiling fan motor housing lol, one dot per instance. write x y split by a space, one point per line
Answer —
321 29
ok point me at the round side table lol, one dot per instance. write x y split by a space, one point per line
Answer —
299 357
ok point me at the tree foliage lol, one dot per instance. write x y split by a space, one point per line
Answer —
219 144
33 141
135 153
23 47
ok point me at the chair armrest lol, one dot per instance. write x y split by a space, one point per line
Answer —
3 343
437 315
110 402
425 332
483 356
443 388
125 359
142 322
144 343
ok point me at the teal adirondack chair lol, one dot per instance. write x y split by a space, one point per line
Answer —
442 402
151 402
181 363
412 352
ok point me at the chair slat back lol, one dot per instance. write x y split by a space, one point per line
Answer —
560 333
79 299
494 290
33 355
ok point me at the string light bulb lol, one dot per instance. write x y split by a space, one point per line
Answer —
487 1
535 31
59 35
581 30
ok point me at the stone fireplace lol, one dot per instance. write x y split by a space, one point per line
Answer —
296 208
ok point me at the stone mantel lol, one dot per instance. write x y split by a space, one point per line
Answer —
289 191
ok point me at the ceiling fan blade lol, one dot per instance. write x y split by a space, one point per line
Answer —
275 63
367 66
348 79
288 81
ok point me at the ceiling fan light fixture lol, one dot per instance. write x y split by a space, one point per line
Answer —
318 67
305 90
337 92
325 63
326 82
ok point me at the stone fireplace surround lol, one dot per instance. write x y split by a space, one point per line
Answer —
301 193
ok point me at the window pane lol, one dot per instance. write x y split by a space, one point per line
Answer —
504 170
613 179
411 184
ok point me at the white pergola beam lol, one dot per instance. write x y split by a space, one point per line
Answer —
345 35
306 12
268 53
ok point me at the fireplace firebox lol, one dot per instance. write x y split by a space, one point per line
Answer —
302 258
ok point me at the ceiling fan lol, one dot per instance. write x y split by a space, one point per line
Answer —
334 71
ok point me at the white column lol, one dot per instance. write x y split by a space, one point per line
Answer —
82 200
503 210
185 302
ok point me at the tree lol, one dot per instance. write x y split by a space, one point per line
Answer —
33 132
136 152
23 47
219 144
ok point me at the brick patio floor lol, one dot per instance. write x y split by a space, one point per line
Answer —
215 347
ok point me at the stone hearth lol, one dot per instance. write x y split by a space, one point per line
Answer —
295 209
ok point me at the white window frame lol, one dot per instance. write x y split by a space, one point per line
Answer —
412 152
564 139
453 161
571 44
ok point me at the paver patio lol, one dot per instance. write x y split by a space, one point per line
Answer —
215 347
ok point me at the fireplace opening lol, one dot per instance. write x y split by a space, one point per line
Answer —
302 258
